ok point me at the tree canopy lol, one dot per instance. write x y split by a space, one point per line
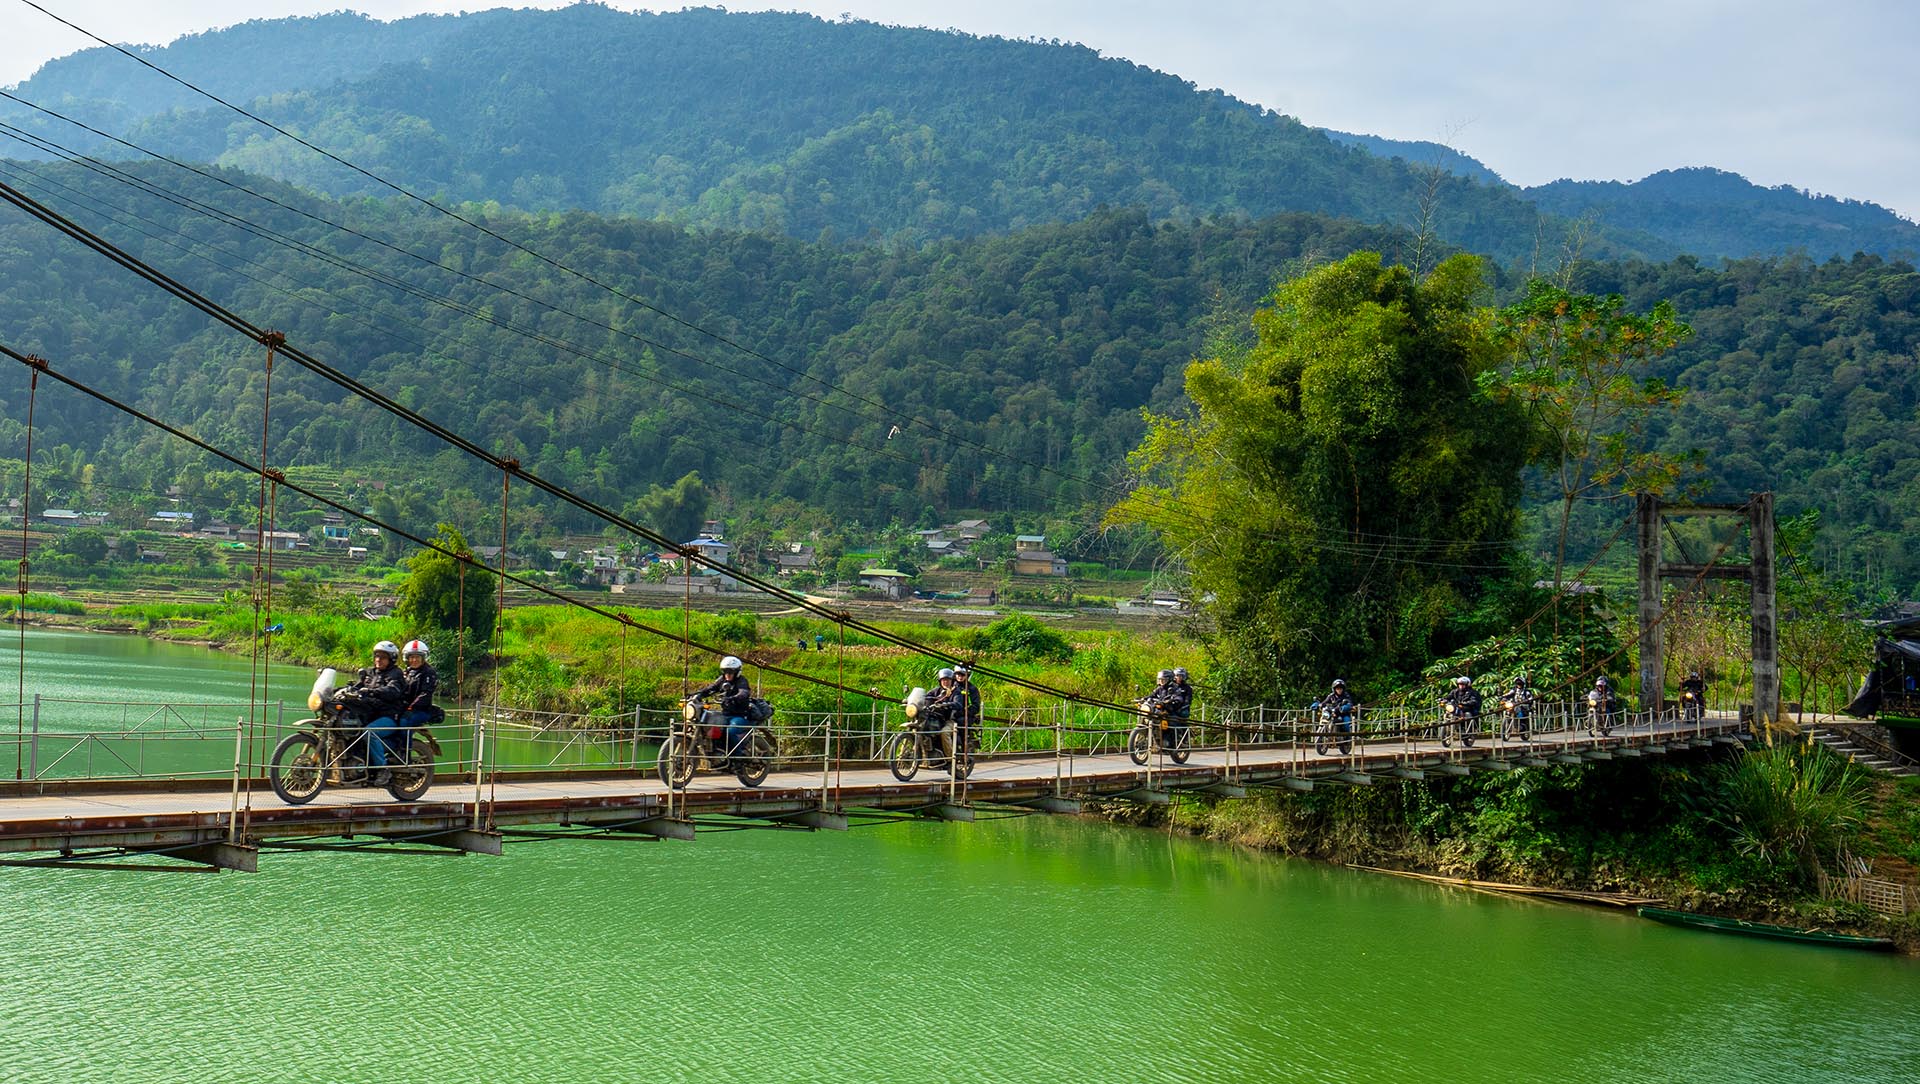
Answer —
1339 487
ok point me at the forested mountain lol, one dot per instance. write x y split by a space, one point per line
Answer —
1712 212
848 129
1028 358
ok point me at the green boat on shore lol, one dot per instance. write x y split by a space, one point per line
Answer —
1766 929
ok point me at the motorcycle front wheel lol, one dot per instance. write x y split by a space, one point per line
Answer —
295 770
1137 745
411 781
903 758
676 763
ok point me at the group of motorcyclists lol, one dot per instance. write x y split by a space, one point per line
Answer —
396 694
1462 706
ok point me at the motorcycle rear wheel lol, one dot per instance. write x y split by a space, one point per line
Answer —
1182 747
903 757
1137 745
752 768
411 780
295 770
961 766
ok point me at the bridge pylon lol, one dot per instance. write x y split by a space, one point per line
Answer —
1650 514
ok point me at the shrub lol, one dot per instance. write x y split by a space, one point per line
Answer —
1789 805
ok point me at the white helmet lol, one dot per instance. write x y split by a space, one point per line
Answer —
944 673
415 647
731 662
1463 680
388 647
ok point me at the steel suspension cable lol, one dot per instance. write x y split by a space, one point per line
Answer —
35 366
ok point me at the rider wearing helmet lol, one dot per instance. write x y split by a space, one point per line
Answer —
1162 691
1179 704
1464 698
943 707
388 734
973 708
1693 684
734 693
377 695
1601 697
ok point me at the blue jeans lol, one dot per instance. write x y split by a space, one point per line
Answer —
388 733
737 731
380 733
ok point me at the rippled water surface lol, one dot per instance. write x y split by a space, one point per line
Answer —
1027 949
1023 950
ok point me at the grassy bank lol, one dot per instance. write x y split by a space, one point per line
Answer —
1727 834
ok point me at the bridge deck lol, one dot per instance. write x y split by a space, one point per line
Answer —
198 823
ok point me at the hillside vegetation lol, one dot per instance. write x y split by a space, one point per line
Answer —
789 123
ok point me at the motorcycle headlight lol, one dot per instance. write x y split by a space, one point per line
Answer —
913 711
313 701
690 711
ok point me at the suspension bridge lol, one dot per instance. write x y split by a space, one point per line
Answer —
88 801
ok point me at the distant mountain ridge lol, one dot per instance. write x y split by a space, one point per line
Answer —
851 130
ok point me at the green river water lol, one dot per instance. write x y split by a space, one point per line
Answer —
1026 949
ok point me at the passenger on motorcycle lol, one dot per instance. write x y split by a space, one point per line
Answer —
375 698
734 694
973 707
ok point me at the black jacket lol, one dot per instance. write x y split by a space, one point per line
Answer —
1464 697
421 684
969 694
734 694
1178 699
376 692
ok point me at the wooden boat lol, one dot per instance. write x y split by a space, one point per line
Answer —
1766 929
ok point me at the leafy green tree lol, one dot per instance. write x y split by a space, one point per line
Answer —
1581 367
85 545
436 596
1338 487
677 511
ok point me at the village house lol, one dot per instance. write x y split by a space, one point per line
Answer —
888 581
171 522
1031 557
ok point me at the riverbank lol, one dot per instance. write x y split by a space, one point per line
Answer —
1637 828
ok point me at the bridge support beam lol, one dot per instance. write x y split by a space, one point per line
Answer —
1453 769
947 812
1652 640
1766 644
1567 758
233 856
1409 773
1538 762
1494 766
1596 754
1224 790
1146 796
816 819
1358 779
1297 783
664 827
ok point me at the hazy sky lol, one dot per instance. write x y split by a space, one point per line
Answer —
1816 95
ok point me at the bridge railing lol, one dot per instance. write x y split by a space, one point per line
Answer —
78 739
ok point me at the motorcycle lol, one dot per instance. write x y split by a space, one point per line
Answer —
1600 711
699 740
918 744
332 751
1516 718
1335 728
1155 731
1458 724
1692 707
